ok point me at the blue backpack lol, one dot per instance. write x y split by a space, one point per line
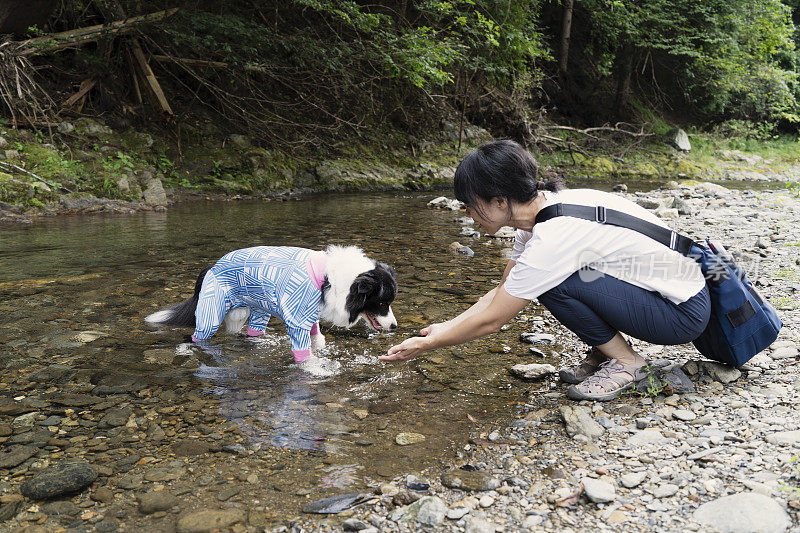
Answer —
742 323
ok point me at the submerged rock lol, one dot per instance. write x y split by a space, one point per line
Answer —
336 504
405 439
57 480
475 480
210 520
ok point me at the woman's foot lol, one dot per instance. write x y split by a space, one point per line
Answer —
577 373
610 380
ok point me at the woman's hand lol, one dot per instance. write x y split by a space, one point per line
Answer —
408 349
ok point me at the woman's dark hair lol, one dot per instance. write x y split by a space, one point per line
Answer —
499 169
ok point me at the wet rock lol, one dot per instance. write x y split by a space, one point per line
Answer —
537 338
115 418
191 447
459 249
336 504
620 187
442 202
406 439
57 480
598 491
352 524
418 484
475 480
533 371
103 495
746 512
74 400
579 421
506 232
209 521
160 500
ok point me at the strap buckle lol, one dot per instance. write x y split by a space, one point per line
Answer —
600 214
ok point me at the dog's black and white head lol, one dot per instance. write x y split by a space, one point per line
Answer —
358 287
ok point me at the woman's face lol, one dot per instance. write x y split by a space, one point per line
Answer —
491 215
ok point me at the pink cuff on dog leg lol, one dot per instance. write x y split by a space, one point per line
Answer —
315 329
301 355
253 332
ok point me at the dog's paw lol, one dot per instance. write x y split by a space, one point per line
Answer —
317 342
320 366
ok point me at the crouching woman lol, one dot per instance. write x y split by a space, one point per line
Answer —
599 281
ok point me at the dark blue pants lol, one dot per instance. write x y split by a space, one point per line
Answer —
596 310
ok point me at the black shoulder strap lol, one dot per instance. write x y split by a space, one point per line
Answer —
671 239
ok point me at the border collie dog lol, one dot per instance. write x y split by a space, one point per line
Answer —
339 285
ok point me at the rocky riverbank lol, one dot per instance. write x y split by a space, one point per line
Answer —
85 449
720 458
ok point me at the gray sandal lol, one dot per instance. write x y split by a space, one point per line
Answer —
577 373
610 380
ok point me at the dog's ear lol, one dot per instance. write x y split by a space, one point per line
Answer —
362 287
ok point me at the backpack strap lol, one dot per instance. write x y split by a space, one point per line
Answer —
671 239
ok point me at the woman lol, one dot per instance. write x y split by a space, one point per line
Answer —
598 280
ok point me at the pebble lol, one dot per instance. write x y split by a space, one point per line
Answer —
486 501
476 480
209 520
579 421
598 491
683 414
665 491
406 439
633 479
533 371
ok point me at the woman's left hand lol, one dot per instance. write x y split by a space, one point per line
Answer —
408 349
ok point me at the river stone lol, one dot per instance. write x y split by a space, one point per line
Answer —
209 521
405 439
478 525
428 511
645 437
716 371
579 421
476 480
634 479
533 371
746 512
159 500
678 138
785 352
12 456
154 193
788 438
57 480
598 491
665 491
683 414
538 338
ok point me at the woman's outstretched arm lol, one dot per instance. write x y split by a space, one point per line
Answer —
502 308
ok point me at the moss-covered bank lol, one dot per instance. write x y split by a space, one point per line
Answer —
85 166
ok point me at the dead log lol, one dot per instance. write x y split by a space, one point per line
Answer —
76 37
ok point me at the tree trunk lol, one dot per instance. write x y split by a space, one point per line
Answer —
566 30
624 67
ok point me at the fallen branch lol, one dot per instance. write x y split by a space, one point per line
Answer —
10 166
65 39
203 63
614 129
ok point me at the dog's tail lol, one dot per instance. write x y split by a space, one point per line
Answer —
181 314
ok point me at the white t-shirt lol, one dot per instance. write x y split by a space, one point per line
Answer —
561 246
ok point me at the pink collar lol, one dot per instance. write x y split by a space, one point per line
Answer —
316 267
